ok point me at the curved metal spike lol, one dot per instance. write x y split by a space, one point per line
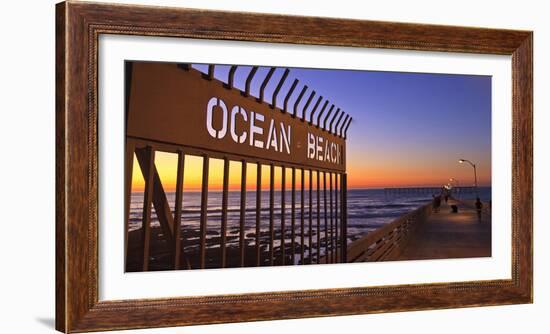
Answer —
332 120
307 105
211 72
264 84
278 88
298 101
343 124
251 75
328 115
346 129
335 132
287 98
321 113
231 76
314 109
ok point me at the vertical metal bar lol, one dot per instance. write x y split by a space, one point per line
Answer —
321 113
314 109
318 219
283 192
204 206
231 76
271 214
249 80
292 216
223 239
302 217
298 101
264 84
344 224
210 72
177 211
243 212
288 95
326 118
258 211
307 105
128 196
147 200
325 214
184 66
336 217
278 88
331 244
310 217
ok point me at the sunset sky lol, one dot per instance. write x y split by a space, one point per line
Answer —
408 129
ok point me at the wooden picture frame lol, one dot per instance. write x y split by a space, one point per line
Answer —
78 27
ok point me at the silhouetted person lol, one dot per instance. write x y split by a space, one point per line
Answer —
479 206
446 197
454 208
436 202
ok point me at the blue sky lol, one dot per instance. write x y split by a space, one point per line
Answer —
408 129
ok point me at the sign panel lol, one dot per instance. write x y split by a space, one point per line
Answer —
182 107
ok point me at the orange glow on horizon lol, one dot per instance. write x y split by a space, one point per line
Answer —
360 175
166 164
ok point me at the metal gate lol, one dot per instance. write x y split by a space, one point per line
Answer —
173 108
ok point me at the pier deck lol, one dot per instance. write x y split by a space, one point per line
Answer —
447 235
425 234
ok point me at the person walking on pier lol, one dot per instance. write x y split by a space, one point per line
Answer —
436 202
479 206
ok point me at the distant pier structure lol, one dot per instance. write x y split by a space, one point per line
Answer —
426 190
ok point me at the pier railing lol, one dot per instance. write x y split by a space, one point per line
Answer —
427 190
386 242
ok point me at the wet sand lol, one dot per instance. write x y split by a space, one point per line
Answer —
161 257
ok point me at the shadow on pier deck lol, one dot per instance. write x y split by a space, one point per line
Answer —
423 234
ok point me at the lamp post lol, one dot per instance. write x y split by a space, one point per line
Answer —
475 172
453 180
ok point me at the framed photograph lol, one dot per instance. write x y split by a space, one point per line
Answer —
221 166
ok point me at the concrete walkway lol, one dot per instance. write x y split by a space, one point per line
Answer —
450 235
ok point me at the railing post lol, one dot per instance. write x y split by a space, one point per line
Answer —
283 190
325 215
271 213
336 210
331 243
128 188
310 217
204 207
225 194
147 202
242 217
177 210
302 229
318 219
258 211
344 218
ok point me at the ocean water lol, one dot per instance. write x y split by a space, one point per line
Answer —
368 209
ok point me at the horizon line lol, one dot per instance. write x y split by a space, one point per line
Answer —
297 189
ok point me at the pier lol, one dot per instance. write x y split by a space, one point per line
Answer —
426 234
427 190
